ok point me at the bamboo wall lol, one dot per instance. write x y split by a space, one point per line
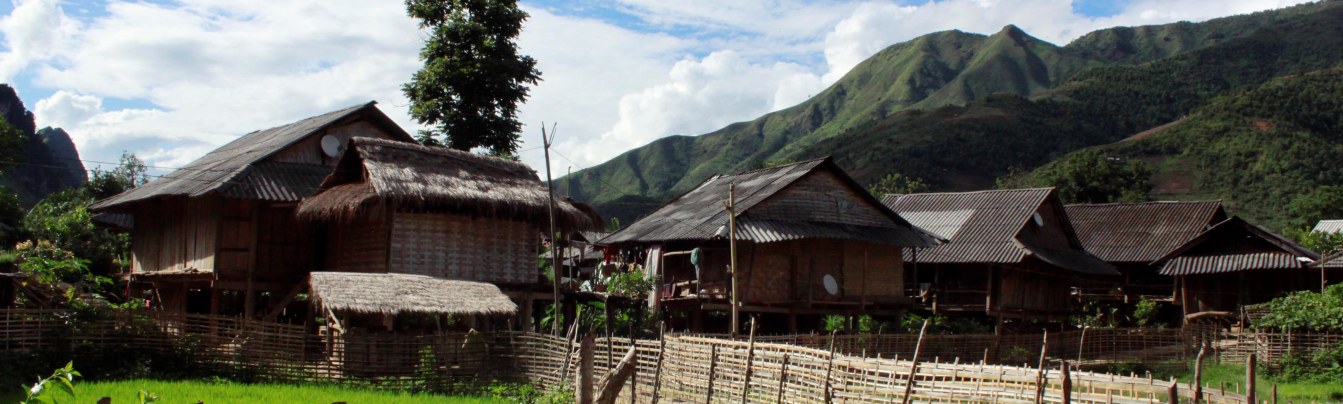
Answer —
461 247
676 368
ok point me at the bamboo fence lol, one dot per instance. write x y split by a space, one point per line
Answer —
677 368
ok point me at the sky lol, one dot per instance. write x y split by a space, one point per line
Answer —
172 80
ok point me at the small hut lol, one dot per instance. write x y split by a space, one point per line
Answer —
810 242
378 299
1012 254
1131 236
1237 263
401 208
218 235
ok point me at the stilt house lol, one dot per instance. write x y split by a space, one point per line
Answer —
810 242
1131 236
418 215
219 234
1237 263
1011 253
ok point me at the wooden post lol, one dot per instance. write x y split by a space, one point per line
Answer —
1198 373
783 379
732 248
1275 394
750 357
829 368
1250 396
1040 372
1082 344
914 364
554 238
713 366
1067 383
657 369
1173 392
616 377
583 387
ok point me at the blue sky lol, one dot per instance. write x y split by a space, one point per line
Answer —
170 80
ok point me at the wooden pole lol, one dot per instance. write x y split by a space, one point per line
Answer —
829 368
657 369
1198 373
713 365
554 239
1250 396
616 377
583 386
1067 383
732 248
750 357
914 364
1275 394
783 379
1040 372
1173 392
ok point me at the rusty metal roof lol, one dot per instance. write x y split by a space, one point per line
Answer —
985 227
700 215
1141 232
1235 245
766 231
1332 261
277 181
229 167
1214 264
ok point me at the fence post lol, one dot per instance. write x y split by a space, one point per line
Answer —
713 366
1173 393
750 356
829 367
1198 373
657 370
1249 379
583 391
1040 372
914 364
1067 383
783 378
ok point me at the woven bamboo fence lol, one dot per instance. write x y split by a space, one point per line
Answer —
1272 346
798 368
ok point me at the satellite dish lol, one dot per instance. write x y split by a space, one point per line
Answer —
831 285
331 146
1039 221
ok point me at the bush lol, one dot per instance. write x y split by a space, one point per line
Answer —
1322 366
1305 311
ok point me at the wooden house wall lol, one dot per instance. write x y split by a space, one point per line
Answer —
309 150
237 239
284 252
176 234
360 245
1052 233
793 271
461 247
820 197
1031 288
1228 291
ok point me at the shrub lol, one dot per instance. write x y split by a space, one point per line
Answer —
1305 311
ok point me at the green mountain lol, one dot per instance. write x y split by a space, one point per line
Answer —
955 108
1264 150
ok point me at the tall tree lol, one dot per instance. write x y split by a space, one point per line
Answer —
473 77
1090 177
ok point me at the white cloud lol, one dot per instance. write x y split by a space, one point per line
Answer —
32 32
68 110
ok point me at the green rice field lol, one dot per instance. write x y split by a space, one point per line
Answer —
175 392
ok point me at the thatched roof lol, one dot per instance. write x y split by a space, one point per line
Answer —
240 168
414 177
382 293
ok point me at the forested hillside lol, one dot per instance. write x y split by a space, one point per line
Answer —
959 110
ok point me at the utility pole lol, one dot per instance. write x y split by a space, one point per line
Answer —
556 325
732 250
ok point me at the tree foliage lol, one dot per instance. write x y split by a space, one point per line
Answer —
131 172
1092 177
11 143
473 77
1305 311
896 183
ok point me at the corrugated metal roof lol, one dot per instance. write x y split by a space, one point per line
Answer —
276 181
1329 226
1141 232
699 214
985 223
766 231
229 165
1214 264
123 221
1332 261
1075 260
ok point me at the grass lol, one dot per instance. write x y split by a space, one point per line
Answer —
193 391
1215 375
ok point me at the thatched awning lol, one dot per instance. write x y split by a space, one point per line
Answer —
382 293
409 176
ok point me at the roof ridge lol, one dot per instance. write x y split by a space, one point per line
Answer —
446 152
778 167
982 191
1217 201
